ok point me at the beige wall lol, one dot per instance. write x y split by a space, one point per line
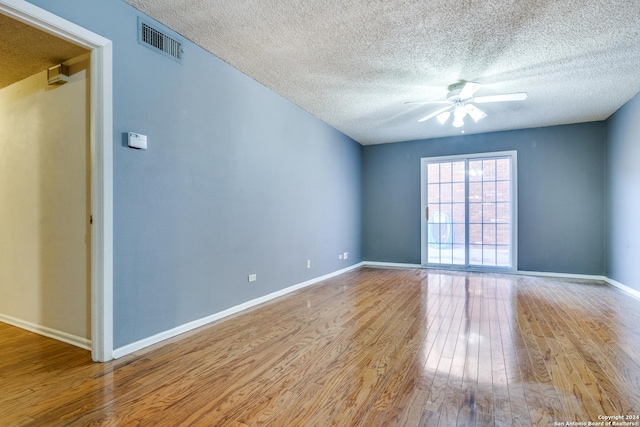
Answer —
44 202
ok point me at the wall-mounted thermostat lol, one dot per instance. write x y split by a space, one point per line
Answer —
137 141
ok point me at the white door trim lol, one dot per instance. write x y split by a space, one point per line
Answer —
101 81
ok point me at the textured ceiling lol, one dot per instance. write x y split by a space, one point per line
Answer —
26 51
354 64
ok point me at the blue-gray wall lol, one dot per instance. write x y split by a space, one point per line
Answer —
561 195
236 180
623 195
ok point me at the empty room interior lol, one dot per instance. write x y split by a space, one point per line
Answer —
317 213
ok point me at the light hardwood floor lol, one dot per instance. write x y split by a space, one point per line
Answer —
373 347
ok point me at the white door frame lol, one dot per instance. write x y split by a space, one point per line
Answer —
101 146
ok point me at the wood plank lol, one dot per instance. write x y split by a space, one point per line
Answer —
500 391
467 415
519 400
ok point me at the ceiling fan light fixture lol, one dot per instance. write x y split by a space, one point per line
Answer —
458 116
443 117
460 112
458 122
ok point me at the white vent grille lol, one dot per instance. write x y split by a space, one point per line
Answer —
159 41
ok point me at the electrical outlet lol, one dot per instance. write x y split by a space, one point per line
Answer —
253 277
308 263
345 255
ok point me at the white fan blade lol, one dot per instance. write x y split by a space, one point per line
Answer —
427 102
468 90
435 113
520 96
443 117
475 113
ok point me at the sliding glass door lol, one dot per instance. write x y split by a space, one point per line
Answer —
469 211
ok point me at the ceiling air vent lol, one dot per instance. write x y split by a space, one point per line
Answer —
159 41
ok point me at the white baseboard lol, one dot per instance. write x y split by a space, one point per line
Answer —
138 345
390 264
623 288
47 332
562 275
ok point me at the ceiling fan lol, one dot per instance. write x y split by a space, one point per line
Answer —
460 100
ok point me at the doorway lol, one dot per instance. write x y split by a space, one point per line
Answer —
101 143
44 197
469 211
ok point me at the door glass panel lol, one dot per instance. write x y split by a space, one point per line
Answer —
446 197
475 254
503 191
504 234
469 212
490 191
503 171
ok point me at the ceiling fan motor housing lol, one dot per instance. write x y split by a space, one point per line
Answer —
454 92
